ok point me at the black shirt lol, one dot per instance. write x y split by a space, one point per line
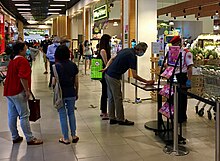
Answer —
67 70
125 59
44 44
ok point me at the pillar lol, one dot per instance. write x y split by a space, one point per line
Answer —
146 32
20 29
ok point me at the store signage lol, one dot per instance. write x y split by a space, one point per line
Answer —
100 13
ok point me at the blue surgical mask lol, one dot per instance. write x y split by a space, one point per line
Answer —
68 44
110 44
10 45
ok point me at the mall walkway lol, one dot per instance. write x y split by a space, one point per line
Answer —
98 140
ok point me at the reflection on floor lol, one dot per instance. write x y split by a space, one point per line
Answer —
98 140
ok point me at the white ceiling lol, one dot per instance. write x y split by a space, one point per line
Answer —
165 3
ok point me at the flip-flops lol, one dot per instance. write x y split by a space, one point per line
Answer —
75 140
61 140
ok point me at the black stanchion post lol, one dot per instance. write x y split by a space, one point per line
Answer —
175 149
217 137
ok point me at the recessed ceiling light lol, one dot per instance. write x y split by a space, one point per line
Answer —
54 9
62 0
57 5
22 5
24 9
53 13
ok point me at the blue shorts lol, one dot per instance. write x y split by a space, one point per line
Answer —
88 57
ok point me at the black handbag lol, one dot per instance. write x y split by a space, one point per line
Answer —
34 106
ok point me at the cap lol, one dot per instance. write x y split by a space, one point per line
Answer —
175 39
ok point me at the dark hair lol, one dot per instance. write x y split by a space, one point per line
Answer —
17 48
62 53
104 43
86 42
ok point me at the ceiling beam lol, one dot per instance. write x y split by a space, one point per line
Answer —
185 5
196 11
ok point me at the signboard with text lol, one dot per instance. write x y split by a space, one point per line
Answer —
100 13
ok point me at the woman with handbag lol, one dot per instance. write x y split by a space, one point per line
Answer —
17 91
105 55
67 77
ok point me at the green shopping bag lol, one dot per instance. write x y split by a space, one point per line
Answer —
96 66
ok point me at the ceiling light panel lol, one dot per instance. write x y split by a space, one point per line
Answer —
57 5
23 9
54 9
53 13
62 0
20 0
22 5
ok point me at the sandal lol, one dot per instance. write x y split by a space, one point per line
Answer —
35 141
66 142
75 139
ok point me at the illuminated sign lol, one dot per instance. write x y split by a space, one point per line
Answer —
100 13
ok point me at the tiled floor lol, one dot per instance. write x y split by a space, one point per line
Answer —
98 140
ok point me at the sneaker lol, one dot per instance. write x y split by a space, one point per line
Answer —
126 122
35 141
18 140
112 121
45 72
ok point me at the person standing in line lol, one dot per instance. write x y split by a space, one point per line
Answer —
184 77
50 55
104 54
68 77
43 47
17 91
116 66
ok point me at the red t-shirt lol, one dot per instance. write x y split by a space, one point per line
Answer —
18 68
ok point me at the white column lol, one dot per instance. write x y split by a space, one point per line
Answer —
147 32
74 28
125 25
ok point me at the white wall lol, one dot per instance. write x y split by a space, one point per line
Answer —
208 24
74 28
147 32
115 11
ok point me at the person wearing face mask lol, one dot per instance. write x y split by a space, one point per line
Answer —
67 43
116 66
43 47
50 55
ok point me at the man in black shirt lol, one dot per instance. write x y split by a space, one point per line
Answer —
44 44
117 66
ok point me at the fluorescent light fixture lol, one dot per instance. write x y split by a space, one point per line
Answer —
24 12
62 0
22 5
20 0
57 5
54 9
79 10
53 13
32 22
23 9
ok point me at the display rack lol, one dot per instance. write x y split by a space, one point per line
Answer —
169 100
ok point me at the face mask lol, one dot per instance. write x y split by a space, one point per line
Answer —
10 45
56 44
140 53
68 44
110 44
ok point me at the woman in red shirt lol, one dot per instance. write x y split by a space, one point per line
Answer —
17 91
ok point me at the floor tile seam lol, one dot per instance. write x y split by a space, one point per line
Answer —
92 134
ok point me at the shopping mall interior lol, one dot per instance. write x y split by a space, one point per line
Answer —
157 133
